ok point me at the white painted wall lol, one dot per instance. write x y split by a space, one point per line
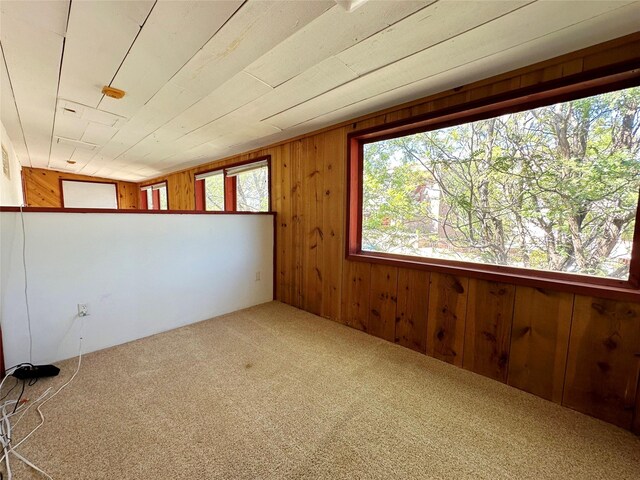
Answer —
140 274
10 188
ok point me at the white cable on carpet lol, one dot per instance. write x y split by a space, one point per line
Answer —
5 424
49 398
46 392
27 462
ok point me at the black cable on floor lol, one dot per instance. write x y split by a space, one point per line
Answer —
11 390
15 407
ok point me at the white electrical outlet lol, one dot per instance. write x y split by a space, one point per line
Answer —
257 276
83 309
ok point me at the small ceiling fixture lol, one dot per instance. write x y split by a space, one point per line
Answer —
112 92
72 162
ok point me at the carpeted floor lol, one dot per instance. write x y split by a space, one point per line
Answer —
274 392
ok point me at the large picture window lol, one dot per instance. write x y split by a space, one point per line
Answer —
548 192
242 187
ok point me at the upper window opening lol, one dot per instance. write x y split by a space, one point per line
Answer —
252 187
154 197
237 188
212 184
552 189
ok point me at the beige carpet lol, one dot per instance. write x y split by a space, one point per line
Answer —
274 392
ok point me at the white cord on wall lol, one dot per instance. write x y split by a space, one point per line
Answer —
26 283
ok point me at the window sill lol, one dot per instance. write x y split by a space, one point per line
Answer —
565 282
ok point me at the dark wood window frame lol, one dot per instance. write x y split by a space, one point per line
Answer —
144 204
566 89
230 185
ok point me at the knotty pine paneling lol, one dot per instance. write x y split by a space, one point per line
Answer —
298 245
333 218
604 359
281 195
539 341
311 221
383 301
447 317
518 336
42 188
412 309
356 294
487 338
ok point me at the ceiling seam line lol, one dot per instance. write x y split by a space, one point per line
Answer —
64 41
13 94
116 73
258 79
200 49
129 49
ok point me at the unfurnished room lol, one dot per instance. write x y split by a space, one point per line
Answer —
320 239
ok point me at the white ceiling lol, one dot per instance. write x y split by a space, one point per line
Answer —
208 79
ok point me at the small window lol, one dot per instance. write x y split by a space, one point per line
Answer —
154 197
552 189
211 185
252 187
236 188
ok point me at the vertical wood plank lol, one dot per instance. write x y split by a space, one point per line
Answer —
334 180
383 301
355 299
128 195
412 309
604 359
281 172
312 225
185 191
488 330
447 315
276 205
539 341
297 217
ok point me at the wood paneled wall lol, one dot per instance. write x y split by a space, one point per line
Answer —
42 188
582 352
